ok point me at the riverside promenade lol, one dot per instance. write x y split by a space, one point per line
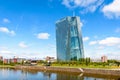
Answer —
111 72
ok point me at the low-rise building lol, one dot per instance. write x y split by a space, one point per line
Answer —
104 58
95 60
1 58
51 59
5 61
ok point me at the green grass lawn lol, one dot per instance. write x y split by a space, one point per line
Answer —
70 66
85 66
6 66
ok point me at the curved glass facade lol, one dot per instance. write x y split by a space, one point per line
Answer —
69 39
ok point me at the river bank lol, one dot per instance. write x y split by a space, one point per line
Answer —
7 66
96 71
111 72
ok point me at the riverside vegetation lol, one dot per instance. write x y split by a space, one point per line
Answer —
83 63
86 63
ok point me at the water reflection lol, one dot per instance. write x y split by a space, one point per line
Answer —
33 72
23 75
4 72
12 74
47 75
68 76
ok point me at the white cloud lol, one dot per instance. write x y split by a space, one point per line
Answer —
43 36
112 10
6 30
114 55
109 46
110 41
85 38
119 46
12 32
5 20
93 42
3 48
5 52
88 5
101 47
22 45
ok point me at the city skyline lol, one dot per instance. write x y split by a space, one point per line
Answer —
27 28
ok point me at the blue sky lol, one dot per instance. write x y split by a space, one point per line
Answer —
27 27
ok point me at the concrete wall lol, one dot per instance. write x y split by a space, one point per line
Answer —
52 69
103 71
73 70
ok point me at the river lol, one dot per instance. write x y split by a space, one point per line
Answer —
12 74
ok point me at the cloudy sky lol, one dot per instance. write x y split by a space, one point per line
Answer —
27 27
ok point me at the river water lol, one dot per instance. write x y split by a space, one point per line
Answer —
12 74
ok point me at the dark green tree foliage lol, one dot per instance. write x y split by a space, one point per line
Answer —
1 62
118 63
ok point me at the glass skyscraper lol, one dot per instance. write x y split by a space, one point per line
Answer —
69 39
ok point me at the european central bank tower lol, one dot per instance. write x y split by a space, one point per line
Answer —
69 39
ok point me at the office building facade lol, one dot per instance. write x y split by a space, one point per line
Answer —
69 39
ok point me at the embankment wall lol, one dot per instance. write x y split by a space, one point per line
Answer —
112 72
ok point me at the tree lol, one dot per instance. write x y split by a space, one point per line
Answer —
1 62
118 63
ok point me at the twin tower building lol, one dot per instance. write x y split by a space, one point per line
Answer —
69 41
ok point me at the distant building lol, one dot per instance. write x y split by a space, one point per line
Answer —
104 58
1 58
14 60
20 60
5 61
51 59
96 60
33 62
69 39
